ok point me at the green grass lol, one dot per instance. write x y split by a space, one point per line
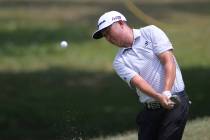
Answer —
48 92
196 129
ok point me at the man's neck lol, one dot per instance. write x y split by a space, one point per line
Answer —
130 37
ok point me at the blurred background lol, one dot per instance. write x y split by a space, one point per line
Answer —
53 93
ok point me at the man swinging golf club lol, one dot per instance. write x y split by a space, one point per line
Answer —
145 60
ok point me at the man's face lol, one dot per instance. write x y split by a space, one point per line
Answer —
114 34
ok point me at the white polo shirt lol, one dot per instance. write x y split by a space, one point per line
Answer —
142 59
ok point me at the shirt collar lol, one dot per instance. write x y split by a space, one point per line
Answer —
136 34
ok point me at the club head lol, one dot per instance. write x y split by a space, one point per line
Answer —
175 99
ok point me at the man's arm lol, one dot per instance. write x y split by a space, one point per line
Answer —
142 85
167 59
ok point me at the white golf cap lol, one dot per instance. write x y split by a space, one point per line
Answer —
106 20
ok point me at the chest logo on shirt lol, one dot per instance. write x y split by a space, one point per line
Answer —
146 43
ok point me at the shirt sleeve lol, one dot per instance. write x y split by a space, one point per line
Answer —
124 72
160 41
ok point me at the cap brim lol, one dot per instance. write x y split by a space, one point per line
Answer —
97 34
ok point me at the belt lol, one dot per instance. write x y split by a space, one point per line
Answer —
156 105
152 105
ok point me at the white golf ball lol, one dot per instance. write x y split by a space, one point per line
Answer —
64 44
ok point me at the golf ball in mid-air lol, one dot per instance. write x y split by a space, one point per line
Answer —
63 44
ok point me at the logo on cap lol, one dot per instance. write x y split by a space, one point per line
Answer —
116 18
101 23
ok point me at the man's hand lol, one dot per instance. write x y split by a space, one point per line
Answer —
175 99
166 102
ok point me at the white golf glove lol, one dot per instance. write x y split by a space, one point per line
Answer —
167 93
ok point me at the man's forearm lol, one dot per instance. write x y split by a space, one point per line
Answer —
168 62
170 73
142 85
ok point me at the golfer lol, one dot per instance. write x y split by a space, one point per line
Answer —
145 60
